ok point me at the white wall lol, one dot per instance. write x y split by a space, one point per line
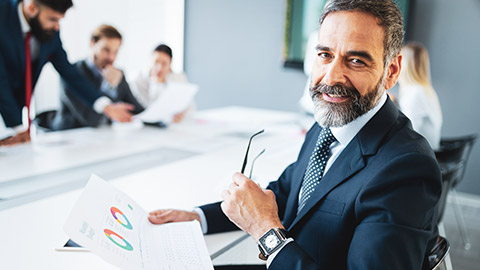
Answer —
143 25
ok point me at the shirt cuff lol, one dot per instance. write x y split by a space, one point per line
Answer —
272 256
101 103
107 86
203 219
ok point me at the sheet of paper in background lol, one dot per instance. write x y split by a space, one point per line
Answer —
111 225
176 98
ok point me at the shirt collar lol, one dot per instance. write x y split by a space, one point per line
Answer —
346 133
23 22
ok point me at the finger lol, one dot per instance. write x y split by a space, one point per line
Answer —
232 187
127 118
127 106
162 217
239 178
269 193
226 195
157 212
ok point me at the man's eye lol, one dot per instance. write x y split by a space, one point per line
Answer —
324 55
357 62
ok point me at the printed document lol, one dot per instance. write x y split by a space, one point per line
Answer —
176 99
114 227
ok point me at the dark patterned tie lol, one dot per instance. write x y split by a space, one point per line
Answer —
316 166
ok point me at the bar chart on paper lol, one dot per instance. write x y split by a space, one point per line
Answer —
111 225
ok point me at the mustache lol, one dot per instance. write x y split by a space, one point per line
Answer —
337 89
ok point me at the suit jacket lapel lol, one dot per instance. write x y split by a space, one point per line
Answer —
302 163
348 163
351 160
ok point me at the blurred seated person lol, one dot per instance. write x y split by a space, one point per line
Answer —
416 97
149 86
98 68
305 101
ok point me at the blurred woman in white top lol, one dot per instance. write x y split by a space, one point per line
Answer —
416 97
148 86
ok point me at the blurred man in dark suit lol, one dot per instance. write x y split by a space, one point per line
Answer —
100 71
29 39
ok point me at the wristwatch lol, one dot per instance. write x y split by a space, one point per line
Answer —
270 242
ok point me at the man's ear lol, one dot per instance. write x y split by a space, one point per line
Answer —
394 69
31 9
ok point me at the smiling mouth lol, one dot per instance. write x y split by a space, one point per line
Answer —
335 98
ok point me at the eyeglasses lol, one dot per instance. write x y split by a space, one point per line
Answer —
246 154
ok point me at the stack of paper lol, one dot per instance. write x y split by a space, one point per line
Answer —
176 99
113 226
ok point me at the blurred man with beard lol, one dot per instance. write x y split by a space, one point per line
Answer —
29 39
100 71
364 189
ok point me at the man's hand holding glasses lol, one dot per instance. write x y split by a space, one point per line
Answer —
245 203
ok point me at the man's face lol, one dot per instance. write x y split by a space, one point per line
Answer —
348 75
45 23
161 64
105 51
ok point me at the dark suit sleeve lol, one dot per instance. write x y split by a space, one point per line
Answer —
216 220
127 96
395 213
75 81
281 188
9 109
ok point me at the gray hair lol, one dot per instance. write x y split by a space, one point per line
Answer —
386 11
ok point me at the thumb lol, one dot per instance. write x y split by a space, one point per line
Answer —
159 217
127 106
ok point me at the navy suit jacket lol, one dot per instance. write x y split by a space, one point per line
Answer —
74 113
375 208
12 66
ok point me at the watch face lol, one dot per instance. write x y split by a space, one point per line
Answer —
270 241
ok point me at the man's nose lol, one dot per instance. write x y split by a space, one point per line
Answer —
111 58
335 73
56 26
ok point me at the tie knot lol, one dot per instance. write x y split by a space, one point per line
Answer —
325 138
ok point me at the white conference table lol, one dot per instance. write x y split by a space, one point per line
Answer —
192 163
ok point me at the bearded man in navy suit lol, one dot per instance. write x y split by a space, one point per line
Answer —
36 23
372 205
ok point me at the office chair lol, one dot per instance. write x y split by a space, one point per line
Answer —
449 173
452 158
44 120
438 253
